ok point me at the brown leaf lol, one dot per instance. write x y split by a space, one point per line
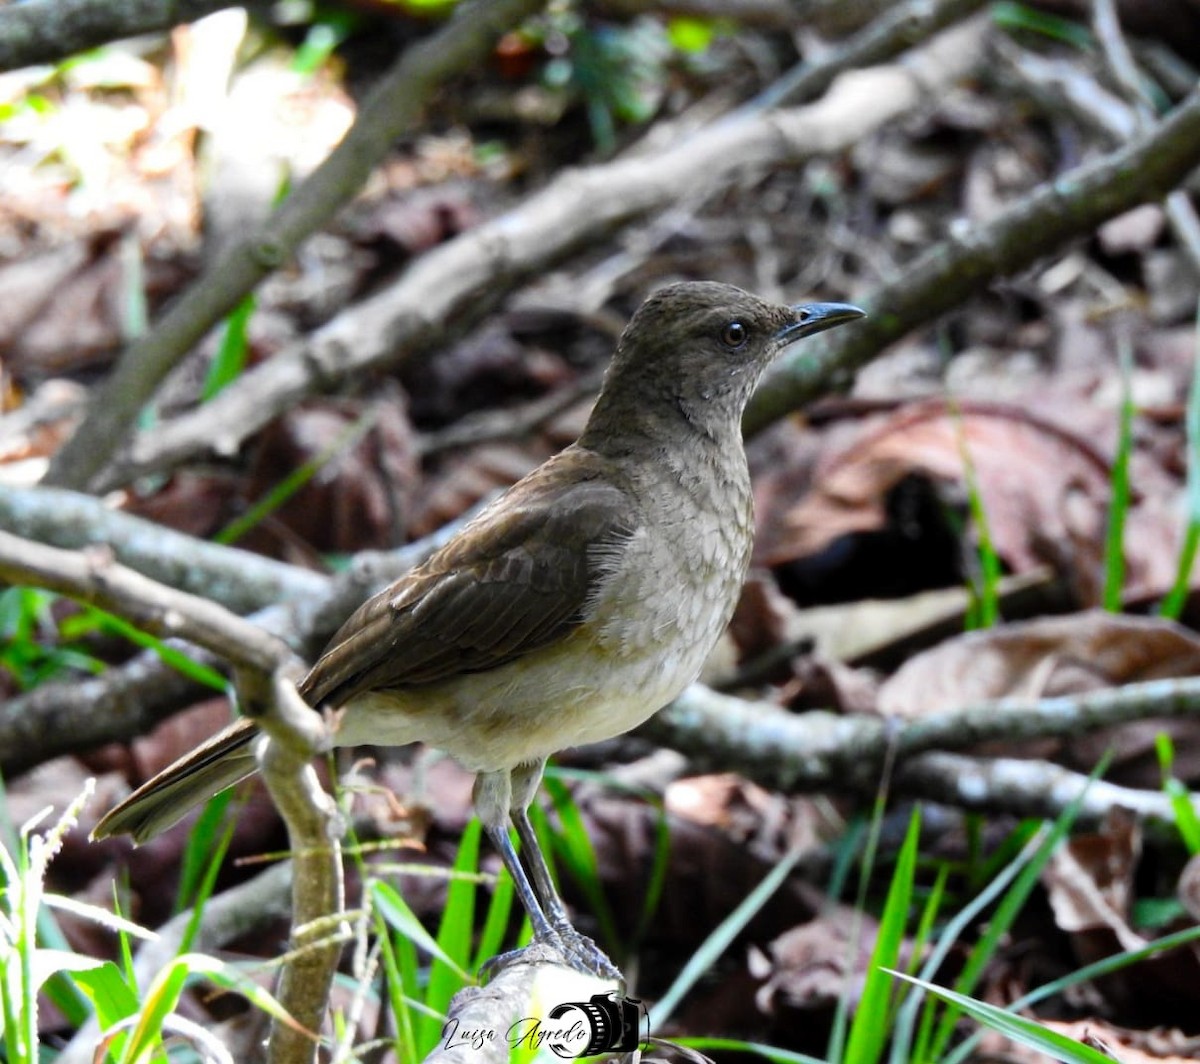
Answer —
1090 880
818 963
1041 659
360 495
1060 656
1038 483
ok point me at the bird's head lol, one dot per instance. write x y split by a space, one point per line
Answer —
695 351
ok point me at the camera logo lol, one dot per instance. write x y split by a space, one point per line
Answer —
613 1025
604 1023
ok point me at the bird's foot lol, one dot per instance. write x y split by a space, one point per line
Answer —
565 946
582 954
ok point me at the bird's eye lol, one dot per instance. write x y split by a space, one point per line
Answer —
734 335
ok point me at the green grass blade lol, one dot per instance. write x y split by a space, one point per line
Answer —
448 974
840 1028
1009 907
984 611
710 950
869 1029
1018 1028
660 864
169 655
400 971
495 925
294 481
390 904
1114 540
1186 821
574 847
1096 970
953 931
1172 605
1015 16
233 350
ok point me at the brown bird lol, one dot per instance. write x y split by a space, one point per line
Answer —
573 607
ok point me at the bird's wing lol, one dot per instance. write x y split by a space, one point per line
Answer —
517 578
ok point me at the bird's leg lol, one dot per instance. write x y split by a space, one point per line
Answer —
493 796
525 780
581 950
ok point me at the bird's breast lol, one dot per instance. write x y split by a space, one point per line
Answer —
661 604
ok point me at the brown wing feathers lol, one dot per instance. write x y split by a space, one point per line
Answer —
521 581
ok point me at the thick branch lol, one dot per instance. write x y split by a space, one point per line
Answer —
1024 788
391 109
130 699
238 579
817 750
45 31
965 262
93 577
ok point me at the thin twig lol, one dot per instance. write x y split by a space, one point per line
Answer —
1124 70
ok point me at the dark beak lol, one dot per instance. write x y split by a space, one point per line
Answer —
813 318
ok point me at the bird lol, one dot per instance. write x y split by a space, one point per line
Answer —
570 609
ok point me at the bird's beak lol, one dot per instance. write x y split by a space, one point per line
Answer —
813 318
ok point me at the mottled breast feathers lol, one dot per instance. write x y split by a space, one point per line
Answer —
522 580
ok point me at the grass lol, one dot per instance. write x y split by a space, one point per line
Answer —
1176 598
1119 495
901 1014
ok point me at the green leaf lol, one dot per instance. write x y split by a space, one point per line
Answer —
233 350
1018 1028
1172 605
691 35
1118 508
390 904
448 974
110 995
1015 16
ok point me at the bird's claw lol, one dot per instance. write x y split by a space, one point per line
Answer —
564 946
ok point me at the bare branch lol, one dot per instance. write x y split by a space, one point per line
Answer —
45 31
454 285
130 699
966 261
93 577
816 750
897 28
391 109
1121 64
240 580
1024 788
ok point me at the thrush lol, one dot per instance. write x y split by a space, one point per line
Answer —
571 609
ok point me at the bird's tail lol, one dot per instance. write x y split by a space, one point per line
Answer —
227 758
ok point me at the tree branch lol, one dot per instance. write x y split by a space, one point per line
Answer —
452 286
45 31
820 750
946 274
240 580
391 109
130 699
